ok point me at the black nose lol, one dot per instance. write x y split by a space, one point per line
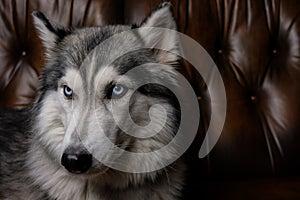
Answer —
77 163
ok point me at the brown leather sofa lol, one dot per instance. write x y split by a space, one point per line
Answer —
256 46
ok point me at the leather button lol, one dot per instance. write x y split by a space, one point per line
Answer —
199 98
23 53
220 51
274 51
253 98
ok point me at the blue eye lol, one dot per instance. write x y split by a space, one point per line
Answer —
68 92
118 91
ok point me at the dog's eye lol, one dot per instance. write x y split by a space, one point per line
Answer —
117 91
68 92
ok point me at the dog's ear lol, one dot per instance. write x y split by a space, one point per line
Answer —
50 32
161 17
163 37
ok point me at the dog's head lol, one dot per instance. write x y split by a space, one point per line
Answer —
103 99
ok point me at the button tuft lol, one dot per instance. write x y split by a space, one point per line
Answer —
253 98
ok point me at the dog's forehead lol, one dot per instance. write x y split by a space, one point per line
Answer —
118 46
99 55
107 42
90 82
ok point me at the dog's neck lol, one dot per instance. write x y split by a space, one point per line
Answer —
57 183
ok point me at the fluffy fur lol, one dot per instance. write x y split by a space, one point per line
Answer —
32 141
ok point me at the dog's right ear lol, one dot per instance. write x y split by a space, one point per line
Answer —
50 32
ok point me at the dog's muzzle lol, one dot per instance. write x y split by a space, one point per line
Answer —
76 161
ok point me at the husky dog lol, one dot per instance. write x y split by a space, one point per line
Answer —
58 148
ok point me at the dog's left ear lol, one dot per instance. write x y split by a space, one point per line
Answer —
164 38
50 33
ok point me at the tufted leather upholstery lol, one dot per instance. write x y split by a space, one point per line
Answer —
256 46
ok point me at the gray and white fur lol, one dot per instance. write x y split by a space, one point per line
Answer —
43 149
